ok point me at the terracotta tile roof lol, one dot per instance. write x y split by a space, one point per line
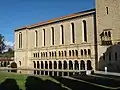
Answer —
58 19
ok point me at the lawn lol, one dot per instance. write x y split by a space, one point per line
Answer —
22 79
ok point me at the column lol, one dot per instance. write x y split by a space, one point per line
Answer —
57 69
68 67
40 67
53 68
43 67
62 69
79 67
85 65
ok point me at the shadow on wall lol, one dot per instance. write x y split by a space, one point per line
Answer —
35 83
110 59
9 84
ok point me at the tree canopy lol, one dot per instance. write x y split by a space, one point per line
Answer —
2 44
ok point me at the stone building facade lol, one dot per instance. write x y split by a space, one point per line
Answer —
87 40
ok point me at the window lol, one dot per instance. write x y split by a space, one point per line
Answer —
41 54
62 35
69 53
20 40
36 38
55 54
89 52
38 54
103 56
85 30
85 51
73 32
65 53
50 54
59 54
81 52
52 36
20 63
107 9
116 56
109 56
73 52
43 37
62 53
76 52
33 54
46 54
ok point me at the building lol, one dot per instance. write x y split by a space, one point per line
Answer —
87 40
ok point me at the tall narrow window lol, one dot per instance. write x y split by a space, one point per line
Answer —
52 36
20 40
116 56
62 35
107 9
73 32
109 56
85 30
36 38
103 56
43 37
89 52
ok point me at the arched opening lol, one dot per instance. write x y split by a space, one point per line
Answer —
85 30
55 65
72 52
13 65
50 64
82 65
109 34
70 65
1 64
76 65
55 53
5 64
89 52
42 65
20 63
38 66
60 65
85 52
52 54
62 53
46 65
89 67
76 52
65 64
81 52
59 54
69 53
34 67
65 53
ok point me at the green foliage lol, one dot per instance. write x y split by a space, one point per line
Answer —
2 44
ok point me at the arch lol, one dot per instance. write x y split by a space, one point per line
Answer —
59 64
55 65
50 54
85 52
81 52
106 34
70 65
38 65
76 65
65 65
76 52
73 52
50 64
85 30
20 63
46 65
13 65
42 65
89 67
82 65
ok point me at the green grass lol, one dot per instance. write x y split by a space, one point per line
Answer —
20 78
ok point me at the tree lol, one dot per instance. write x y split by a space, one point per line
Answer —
2 44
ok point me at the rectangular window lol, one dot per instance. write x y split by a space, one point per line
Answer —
52 36
44 37
62 35
73 33
107 9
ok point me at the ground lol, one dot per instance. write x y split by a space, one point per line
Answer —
13 81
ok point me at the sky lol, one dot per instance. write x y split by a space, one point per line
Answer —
17 13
